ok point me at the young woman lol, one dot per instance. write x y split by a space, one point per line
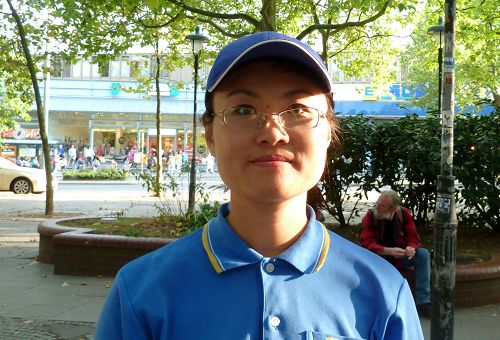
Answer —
264 268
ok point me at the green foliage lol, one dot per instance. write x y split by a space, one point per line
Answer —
405 155
477 168
16 93
346 164
476 53
173 200
97 174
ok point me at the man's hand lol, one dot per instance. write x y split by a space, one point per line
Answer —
410 252
395 252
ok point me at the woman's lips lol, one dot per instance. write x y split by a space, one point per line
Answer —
271 160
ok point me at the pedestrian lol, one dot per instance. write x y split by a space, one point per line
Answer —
210 163
264 268
89 155
72 156
389 230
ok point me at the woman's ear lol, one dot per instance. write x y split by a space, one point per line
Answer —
209 137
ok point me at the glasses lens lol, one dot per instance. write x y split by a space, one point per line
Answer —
241 117
306 117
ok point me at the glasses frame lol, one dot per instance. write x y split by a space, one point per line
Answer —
263 116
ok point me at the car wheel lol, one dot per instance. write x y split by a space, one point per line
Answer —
21 186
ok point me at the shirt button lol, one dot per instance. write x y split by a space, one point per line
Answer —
275 321
269 267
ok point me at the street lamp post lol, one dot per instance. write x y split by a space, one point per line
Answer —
197 39
437 32
445 218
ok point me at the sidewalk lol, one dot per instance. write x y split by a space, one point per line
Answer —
36 304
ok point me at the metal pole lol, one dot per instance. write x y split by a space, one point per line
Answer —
192 173
440 74
445 219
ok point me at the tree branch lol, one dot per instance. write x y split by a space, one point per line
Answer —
347 24
209 14
219 28
356 39
169 22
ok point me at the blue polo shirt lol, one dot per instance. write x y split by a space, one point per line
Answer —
212 285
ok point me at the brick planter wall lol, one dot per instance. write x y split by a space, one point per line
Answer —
478 283
75 251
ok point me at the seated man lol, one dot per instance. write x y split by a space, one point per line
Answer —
389 230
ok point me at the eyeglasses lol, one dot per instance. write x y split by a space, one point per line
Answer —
245 118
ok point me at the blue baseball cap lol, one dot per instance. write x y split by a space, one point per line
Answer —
263 45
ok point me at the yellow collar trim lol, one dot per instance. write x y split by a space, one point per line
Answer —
324 251
208 250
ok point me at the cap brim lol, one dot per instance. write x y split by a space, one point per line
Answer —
278 48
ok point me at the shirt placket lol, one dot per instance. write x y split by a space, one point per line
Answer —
272 314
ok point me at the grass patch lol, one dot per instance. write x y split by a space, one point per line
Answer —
165 227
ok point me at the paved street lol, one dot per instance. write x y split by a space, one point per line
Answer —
99 198
36 304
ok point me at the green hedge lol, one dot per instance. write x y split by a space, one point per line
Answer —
405 154
97 174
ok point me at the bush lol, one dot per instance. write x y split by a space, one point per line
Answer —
477 167
97 174
406 155
347 166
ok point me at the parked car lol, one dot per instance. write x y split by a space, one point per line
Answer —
22 180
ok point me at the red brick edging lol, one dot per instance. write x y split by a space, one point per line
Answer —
76 251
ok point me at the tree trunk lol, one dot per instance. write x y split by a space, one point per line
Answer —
159 165
268 13
49 195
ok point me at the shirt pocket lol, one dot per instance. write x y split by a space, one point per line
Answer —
310 335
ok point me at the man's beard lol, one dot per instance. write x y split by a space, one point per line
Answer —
385 216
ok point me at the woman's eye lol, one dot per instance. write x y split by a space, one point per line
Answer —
243 111
296 108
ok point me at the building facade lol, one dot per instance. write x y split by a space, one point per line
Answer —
104 107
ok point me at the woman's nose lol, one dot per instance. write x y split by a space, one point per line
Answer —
271 130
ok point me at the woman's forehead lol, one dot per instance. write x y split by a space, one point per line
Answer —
250 78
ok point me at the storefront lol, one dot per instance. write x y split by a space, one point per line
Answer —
22 142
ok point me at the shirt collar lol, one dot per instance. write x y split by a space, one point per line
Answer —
226 250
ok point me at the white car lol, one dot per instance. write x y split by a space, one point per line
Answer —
22 180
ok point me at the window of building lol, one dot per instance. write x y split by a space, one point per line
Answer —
77 69
60 68
163 69
125 67
114 69
103 69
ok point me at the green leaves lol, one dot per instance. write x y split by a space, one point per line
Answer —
476 54
405 154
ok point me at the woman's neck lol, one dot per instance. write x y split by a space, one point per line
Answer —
269 228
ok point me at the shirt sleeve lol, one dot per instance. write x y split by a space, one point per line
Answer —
368 235
404 323
411 234
118 319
